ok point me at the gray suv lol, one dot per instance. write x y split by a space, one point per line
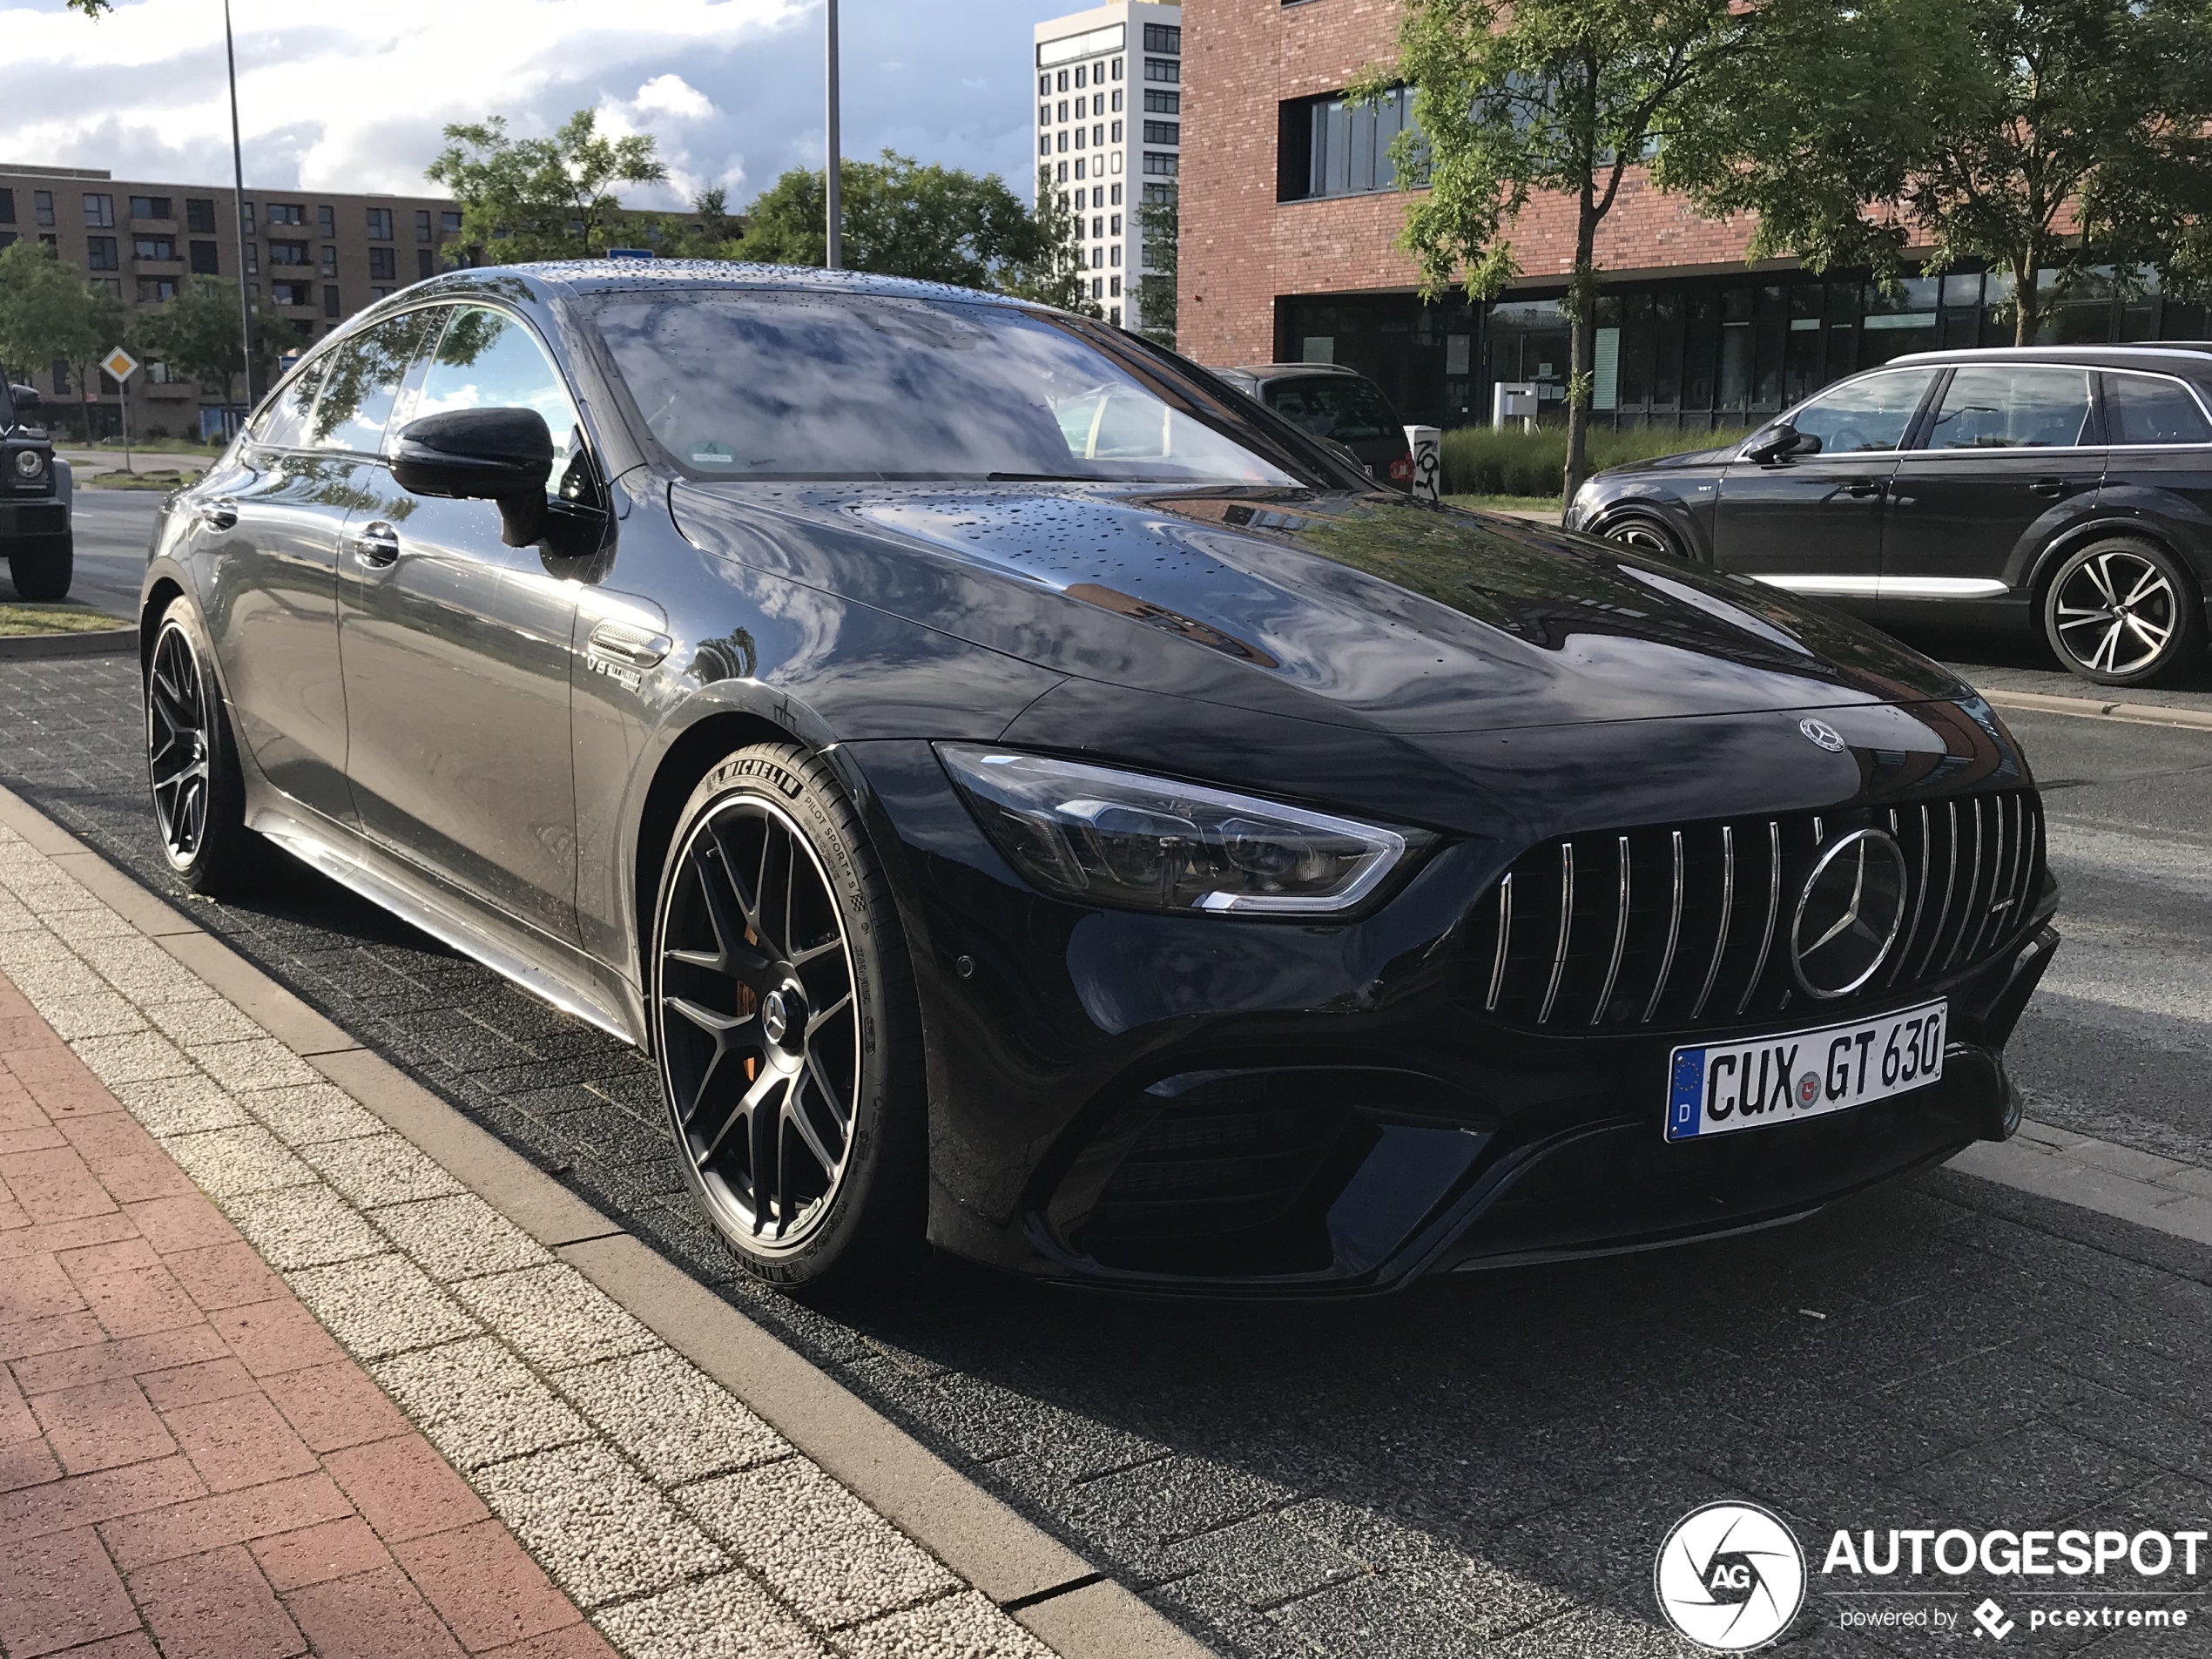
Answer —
34 499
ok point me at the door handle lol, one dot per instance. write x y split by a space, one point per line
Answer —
626 643
377 544
218 515
1861 488
2052 487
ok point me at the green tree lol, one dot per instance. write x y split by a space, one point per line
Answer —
543 198
49 312
1159 224
707 235
901 219
1515 97
1053 273
196 333
2039 136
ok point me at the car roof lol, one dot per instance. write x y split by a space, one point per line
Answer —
2195 355
1284 371
577 278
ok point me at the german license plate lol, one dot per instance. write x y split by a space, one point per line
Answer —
1719 1089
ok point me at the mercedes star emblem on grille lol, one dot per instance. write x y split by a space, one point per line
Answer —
1822 735
1849 914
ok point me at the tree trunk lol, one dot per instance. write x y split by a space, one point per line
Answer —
1582 348
2028 271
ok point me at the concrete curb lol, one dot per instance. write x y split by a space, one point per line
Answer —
2091 708
1059 1596
99 642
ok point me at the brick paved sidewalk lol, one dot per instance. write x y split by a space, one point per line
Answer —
184 1454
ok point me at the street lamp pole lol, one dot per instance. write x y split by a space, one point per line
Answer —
831 176
237 179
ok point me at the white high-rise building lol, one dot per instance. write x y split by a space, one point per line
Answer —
1110 110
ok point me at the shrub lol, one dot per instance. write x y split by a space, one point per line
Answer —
1480 460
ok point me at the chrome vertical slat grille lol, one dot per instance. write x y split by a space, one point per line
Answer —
1692 920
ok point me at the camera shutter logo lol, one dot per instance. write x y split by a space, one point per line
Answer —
1730 1576
1849 914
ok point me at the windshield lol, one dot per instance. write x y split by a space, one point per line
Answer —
766 383
1341 407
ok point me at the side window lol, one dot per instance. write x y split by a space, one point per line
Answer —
282 424
486 360
1995 405
2146 408
1861 415
364 383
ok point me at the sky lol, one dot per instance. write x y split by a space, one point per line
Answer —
353 95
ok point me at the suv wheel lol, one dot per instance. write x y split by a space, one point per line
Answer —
1646 534
787 1032
192 760
42 573
2123 613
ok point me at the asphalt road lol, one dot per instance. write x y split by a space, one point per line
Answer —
1483 1465
112 528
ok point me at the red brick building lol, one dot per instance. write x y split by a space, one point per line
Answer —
1290 215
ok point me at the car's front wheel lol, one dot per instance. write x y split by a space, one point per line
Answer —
42 570
1646 534
788 1035
2124 612
192 761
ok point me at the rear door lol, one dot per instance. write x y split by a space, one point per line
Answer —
2012 453
1348 409
1811 521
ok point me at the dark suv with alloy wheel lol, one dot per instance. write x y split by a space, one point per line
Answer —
34 499
2066 490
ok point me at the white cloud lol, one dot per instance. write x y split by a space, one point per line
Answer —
353 97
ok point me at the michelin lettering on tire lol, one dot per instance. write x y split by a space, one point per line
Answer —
1730 1576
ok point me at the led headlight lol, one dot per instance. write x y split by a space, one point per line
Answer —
29 464
1120 837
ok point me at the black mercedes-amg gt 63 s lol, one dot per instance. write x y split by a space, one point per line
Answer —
1033 801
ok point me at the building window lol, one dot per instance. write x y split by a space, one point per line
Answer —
383 265
153 248
1157 165
1113 288
1044 85
379 293
425 265
1163 37
1114 228
1116 156
153 290
1118 130
422 225
204 260
42 206
327 220
1063 82
99 210
1098 225
1114 256
1117 100
1098 288
287 213
1044 144
1164 132
200 216
7 206
1063 177
329 260
246 217
380 224
449 224
9 238
288 253
252 259
292 294
1158 102
1117 69
1159 195
330 299
1097 198
1080 76
1163 68
99 254
111 287
151 207
1044 115
1329 147
1098 137
1114 315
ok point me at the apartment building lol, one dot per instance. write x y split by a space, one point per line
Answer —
1291 208
1109 133
315 256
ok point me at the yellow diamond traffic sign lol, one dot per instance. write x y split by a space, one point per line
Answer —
119 364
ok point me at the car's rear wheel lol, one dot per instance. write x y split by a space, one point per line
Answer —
787 1031
192 761
2123 613
1646 534
42 574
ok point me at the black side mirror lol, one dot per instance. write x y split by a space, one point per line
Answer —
26 400
1772 443
505 455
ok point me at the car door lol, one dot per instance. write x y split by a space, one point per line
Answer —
1810 519
458 652
263 536
2011 452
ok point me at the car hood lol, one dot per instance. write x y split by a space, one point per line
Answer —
1364 610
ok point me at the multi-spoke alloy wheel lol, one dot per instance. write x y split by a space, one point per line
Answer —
199 796
1646 536
772 994
2122 613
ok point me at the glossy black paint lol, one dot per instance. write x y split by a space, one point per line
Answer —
449 730
2003 518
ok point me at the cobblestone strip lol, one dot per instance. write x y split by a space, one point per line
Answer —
684 1525
2161 1193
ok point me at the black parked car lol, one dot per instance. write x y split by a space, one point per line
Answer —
1031 798
35 489
1336 403
2064 488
